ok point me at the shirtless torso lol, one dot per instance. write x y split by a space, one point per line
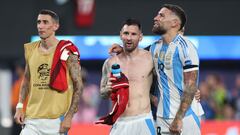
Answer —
137 66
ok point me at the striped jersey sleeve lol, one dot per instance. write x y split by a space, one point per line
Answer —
188 54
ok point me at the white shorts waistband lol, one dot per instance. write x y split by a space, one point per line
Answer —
136 117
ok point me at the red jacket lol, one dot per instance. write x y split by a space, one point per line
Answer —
58 76
119 97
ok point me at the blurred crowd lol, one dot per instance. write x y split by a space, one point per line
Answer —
218 101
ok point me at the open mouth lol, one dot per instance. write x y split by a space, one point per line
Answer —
41 32
128 44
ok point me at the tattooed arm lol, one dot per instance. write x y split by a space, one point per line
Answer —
75 73
25 85
19 115
190 81
105 88
190 88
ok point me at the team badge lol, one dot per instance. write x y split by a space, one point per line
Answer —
168 60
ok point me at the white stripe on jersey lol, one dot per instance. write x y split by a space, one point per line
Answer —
169 61
191 69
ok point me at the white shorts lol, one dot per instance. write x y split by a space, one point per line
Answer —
41 127
191 125
134 125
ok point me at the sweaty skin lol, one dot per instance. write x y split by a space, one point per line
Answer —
138 69
137 65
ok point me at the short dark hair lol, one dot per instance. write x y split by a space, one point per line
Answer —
179 12
51 13
132 21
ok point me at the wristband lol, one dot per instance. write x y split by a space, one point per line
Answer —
19 105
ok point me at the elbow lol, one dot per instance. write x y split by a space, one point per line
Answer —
104 94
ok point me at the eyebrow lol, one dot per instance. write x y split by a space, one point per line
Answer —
42 21
127 32
161 14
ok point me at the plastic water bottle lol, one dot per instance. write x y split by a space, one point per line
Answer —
116 71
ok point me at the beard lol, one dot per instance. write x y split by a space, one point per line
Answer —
129 48
158 30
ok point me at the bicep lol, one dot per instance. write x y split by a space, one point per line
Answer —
190 78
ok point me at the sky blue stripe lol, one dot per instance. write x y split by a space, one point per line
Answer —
195 117
183 48
177 71
166 89
176 38
150 126
184 42
166 96
62 118
152 48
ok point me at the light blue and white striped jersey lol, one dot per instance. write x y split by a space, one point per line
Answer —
170 62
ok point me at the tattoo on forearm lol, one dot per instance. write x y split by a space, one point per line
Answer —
25 85
190 81
104 92
75 73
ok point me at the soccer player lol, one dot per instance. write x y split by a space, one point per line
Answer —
176 64
135 63
52 81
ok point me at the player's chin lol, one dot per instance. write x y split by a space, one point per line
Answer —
129 49
42 36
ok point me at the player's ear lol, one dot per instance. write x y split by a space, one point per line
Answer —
141 37
175 22
56 26
120 33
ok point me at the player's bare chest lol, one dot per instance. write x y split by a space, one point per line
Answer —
136 72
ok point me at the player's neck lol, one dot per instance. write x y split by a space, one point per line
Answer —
48 43
131 54
169 36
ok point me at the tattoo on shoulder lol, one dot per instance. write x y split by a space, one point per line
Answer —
74 67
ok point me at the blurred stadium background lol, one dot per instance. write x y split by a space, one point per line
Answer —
94 24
